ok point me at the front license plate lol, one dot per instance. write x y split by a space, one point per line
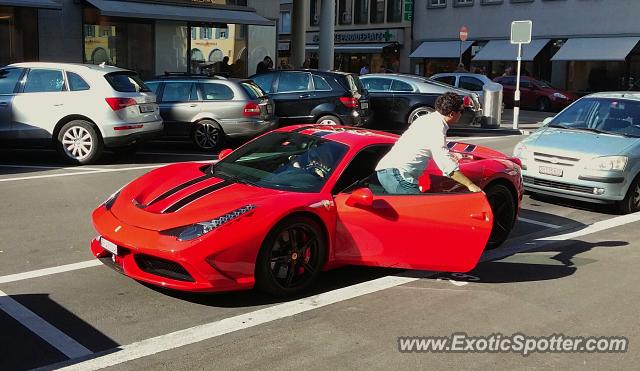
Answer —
145 108
109 246
364 105
550 171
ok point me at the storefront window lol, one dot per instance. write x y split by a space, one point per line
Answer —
361 12
18 35
171 46
345 9
314 16
377 11
262 41
394 10
124 44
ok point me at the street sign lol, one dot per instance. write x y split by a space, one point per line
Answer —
464 33
521 32
408 10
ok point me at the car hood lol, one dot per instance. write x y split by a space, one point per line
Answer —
576 143
183 194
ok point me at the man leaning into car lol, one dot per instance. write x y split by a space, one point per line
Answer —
425 139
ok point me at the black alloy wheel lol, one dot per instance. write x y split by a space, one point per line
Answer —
291 257
631 201
544 104
419 112
208 135
504 211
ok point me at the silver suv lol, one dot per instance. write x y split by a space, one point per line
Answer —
83 108
209 109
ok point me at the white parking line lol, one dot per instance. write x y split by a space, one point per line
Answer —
42 328
80 173
531 221
211 330
213 156
49 167
49 271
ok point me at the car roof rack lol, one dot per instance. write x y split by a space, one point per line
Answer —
170 75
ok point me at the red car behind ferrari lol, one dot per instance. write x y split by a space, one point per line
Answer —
277 211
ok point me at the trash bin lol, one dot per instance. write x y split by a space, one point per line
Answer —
491 106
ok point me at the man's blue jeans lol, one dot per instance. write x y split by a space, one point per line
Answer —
394 183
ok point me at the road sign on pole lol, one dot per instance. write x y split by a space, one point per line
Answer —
520 34
464 34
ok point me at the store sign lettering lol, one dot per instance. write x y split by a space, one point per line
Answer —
376 36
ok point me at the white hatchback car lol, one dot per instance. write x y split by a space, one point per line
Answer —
83 108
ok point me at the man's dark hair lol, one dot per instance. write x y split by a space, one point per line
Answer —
448 102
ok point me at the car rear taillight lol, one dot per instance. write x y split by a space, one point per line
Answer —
467 101
349 102
251 109
120 103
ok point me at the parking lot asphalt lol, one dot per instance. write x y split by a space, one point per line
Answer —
567 268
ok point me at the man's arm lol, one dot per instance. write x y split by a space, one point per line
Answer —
462 179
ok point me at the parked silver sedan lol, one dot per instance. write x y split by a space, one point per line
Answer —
590 151
207 110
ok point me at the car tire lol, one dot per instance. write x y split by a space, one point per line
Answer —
79 142
285 268
328 120
504 211
418 112
631 201
543 104
208 135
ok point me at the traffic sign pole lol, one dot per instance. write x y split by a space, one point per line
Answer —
516 96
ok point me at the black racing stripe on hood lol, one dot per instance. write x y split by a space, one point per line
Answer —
196 195
470 148
178 188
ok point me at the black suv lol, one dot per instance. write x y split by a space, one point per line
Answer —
311 96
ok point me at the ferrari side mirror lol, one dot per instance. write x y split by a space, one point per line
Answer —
224 153
361 197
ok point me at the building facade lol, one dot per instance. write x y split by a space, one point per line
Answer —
372 32
579 45
149 36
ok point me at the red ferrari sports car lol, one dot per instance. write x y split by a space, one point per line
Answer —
291 203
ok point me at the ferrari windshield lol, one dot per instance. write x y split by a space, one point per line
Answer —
601 115
283 161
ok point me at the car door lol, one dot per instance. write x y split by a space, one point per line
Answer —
40 104
9 78
179 105
528 94
218 103
293 97
404 96
380 101
439 231
508 89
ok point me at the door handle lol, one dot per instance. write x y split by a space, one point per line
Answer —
193 105
483 216
304 96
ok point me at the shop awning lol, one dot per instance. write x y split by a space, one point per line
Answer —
596 49
113 8
45 4
504 50
440 49
353 48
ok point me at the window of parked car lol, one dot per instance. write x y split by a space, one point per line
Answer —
43 81
401 86
252 90
126 82
76 83
320 83
8 79
354 84
293 81
153 86
450 80
213 91
361 166
265 81
471 83
375 84
179 92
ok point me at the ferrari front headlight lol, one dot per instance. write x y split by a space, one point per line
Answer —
193 231
607 163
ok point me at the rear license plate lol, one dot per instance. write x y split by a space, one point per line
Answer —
364 105
145 108
550 171
109 246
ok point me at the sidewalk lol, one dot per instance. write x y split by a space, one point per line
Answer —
528 121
